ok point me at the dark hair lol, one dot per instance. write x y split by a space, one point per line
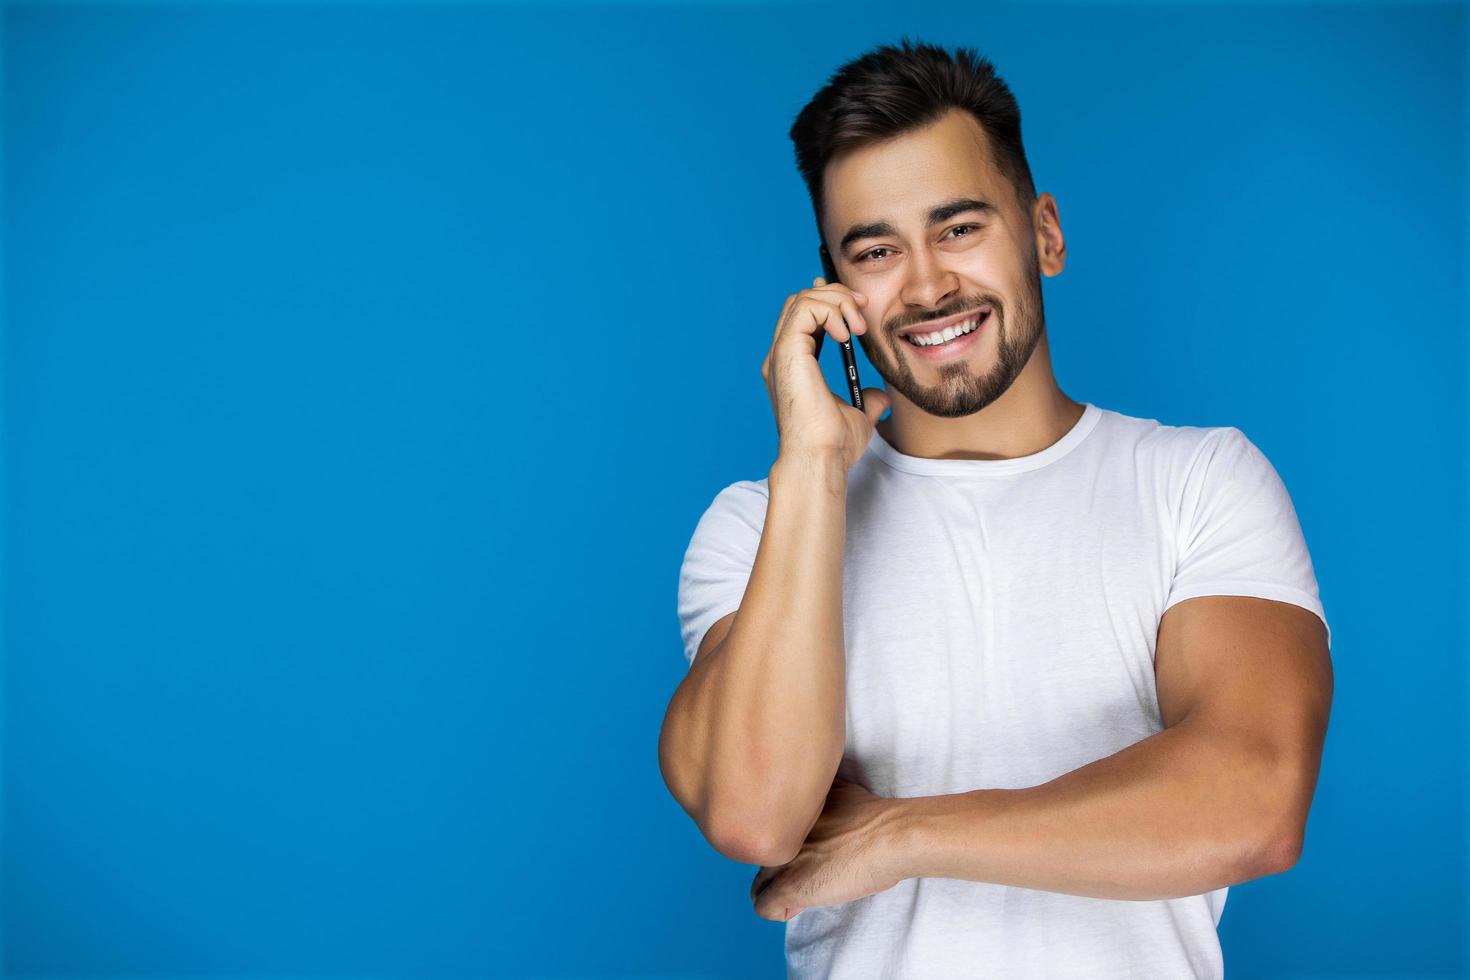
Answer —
891 90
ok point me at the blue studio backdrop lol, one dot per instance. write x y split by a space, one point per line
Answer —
366 368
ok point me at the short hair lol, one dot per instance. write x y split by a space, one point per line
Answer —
889 91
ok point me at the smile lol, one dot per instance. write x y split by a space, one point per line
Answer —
949 341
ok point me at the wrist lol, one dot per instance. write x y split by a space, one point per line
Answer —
827 468
902 847
941 836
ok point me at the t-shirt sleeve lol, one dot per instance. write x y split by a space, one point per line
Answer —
1238 531
719 558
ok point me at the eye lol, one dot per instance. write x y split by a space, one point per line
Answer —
869 254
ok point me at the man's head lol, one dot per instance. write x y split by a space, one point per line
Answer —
925 204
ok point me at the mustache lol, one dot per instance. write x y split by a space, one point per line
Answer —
979 303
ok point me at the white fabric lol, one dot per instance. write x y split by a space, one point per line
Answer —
1000 618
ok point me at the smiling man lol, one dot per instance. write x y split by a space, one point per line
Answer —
1005 684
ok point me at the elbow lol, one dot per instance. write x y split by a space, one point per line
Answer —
1280 830
767 832
1276 851
764 825
751 845
1281 855
745 833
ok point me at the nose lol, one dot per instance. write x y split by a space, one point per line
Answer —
929 283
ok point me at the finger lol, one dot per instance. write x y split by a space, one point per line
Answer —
781 317
834 312
816 313
776 335
852 316
838 289
776 907
771 906
836 297
875 403
761 882
819 282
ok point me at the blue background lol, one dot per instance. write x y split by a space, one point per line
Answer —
366 369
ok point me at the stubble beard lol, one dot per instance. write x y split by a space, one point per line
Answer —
959 391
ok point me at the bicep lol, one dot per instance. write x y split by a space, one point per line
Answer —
1245 661
1256 672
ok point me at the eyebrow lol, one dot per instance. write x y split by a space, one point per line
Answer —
938 214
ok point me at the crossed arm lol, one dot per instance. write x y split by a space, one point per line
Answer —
1218 797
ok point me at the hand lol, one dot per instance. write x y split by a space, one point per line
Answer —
810 417
849 853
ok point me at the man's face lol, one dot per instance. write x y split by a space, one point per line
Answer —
915 273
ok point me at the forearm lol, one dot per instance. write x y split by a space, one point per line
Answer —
1182 812
768 711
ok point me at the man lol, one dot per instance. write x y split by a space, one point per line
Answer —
1005 684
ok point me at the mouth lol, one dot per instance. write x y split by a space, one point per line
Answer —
955 337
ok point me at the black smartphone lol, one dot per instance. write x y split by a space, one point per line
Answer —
829 271
849 359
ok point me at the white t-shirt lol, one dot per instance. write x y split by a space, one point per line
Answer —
999 619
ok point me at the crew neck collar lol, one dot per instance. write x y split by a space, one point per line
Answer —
1085 423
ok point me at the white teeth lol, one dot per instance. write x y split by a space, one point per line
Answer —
946 335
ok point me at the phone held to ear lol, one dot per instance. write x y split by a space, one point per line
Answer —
849 359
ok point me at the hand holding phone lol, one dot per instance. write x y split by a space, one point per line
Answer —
810 418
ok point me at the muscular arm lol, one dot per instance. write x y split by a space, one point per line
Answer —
755 731
1218 797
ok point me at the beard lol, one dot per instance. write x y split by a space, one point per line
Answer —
959 390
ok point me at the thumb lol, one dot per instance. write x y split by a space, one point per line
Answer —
875 403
